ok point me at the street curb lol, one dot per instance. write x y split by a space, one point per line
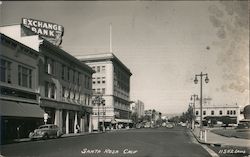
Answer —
63 136
206 143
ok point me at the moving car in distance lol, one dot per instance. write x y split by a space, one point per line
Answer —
45 132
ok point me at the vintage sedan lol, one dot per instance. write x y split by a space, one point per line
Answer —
45 132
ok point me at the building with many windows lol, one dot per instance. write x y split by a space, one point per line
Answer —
19 95
215 111
111 80
64 83
138 107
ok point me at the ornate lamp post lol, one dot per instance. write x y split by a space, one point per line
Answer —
193 97
196 81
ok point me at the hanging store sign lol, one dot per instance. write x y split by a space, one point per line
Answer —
50 31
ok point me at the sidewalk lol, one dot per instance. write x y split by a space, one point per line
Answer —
214 139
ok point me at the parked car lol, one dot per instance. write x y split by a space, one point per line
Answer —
169 125
45 132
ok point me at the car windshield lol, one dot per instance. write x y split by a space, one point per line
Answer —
43 126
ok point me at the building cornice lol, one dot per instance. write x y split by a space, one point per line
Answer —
46 44
103 57
21 47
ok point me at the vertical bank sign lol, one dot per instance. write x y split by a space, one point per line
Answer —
50 31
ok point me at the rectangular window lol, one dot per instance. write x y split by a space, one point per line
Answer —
98 69
103 68
50 90
227 112
234 112
63 92
103 80
46 89
74 76
53 91
63 72
49 65
98 80
68 74
103 90
5 69
78 78
24 76
98 90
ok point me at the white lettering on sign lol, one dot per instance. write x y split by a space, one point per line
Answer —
43 28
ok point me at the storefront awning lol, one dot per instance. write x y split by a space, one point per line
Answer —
18 109
123 120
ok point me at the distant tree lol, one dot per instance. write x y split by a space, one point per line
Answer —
134 117
188 115
226 120
147 118
246 112
175 119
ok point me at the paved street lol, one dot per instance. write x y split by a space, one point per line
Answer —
134 142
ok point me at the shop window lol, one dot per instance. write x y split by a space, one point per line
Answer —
24 76
5 71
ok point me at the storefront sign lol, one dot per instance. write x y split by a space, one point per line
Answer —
50 31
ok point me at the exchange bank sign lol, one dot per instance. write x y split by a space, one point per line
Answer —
50 31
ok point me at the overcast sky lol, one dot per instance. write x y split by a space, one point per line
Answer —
163 43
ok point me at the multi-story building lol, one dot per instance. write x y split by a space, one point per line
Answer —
19 95
64 83
212 110
112 81
138 107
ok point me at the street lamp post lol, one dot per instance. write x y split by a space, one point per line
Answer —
103 116
193 97
196 81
